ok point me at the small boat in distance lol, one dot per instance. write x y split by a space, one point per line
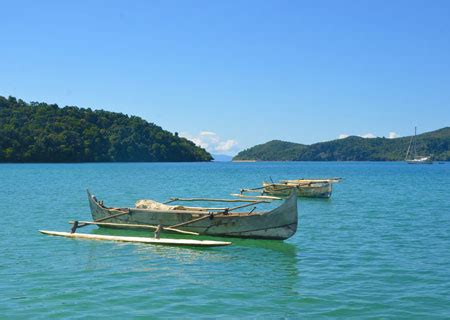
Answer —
411 154
309 188
279 223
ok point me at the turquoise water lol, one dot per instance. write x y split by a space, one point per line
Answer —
379 248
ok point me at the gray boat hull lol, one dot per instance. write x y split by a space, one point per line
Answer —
315 190
277 224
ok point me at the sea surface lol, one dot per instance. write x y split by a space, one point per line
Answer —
379 248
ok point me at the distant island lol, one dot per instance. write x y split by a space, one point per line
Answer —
41 132
353 148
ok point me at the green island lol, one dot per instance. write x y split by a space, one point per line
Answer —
353 148
40 132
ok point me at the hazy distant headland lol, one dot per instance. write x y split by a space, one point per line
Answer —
353 148
222 157
41 132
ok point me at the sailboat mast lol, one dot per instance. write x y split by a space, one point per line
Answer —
411 154
415 143
409 148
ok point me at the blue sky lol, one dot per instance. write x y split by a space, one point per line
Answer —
231 74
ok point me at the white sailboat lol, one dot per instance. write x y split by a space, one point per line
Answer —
411 153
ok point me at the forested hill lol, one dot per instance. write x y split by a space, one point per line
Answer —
40 132
435 143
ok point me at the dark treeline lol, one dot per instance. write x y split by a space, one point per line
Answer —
40 132
435 143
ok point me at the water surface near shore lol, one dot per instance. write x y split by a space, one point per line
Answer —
378 248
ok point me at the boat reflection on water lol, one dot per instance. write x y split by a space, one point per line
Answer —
263 264
266 266
272 245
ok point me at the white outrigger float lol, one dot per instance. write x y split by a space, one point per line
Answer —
156 241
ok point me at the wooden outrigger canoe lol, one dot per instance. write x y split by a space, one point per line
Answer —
310 188
277 224
156 241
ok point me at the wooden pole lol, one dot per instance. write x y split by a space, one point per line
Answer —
202 209
252 189
109 217
247 205
211 215
74 227
133 226
192 221
171 200
208 199
308 181
256 197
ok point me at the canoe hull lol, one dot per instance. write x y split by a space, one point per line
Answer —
317 190
277 224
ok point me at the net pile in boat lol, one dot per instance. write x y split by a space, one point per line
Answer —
155 205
